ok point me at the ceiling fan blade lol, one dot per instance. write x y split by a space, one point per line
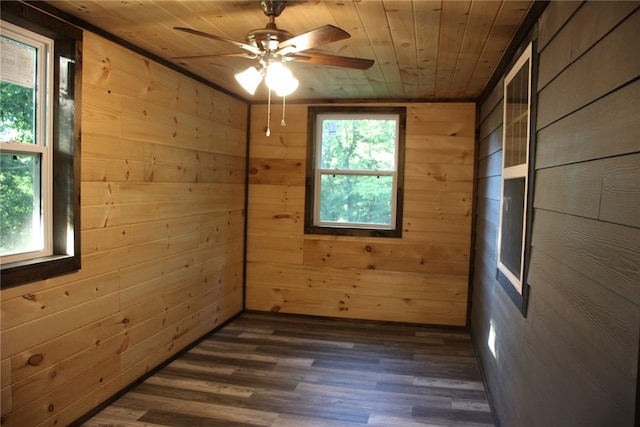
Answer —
244 46
317 37
237 55
336 61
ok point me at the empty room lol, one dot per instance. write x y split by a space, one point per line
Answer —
320 213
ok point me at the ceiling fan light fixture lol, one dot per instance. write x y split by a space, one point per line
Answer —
280 79
288 87
249 79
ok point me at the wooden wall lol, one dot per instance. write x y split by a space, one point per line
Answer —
422 277
573 361
162 205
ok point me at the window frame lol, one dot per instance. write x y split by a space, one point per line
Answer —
517 287
314 173
65 254
42 146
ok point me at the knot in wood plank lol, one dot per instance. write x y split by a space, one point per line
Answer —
35 360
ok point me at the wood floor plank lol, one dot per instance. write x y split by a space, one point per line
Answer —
431 413
198 385
266 369
288 420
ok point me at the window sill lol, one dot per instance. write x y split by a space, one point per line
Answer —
21 272
349 231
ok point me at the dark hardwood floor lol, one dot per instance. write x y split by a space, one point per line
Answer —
281 370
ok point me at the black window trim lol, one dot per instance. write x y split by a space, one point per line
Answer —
66 152
309 226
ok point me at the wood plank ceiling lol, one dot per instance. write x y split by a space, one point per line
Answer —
423 49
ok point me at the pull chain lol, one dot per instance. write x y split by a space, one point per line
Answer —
284 102
269 114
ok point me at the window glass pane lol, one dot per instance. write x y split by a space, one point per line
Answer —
512 225
20 206
362 199
517 118
358 144
17 92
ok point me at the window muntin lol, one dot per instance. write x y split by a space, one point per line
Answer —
25 145
515 170
355 171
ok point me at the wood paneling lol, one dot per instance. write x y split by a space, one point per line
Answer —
573 188
614 117
423 49
589 24
419 278
552 22
606 189
377 255
605 252
574 358
163 171
620 201
575 87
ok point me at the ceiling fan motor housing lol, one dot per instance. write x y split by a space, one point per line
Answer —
267 38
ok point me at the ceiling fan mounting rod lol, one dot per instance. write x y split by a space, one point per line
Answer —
272 8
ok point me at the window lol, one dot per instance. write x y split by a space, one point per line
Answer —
25 141
355 171
516 167
39 142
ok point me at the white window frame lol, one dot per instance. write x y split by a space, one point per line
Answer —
517 171
43 137
319 171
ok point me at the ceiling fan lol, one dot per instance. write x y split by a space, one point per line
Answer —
274 47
